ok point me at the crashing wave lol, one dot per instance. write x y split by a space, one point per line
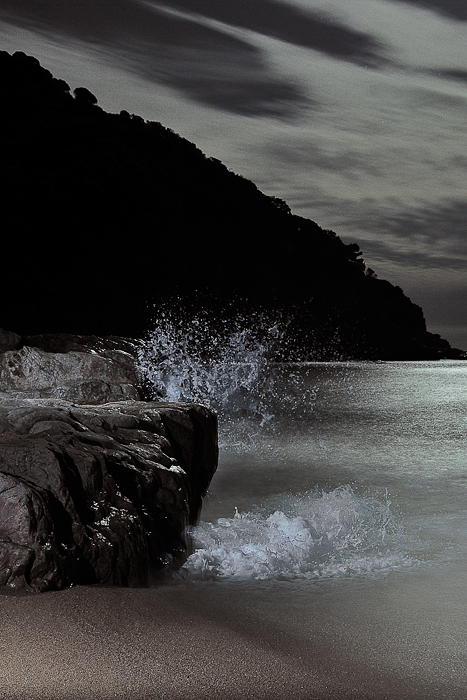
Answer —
314 536
228 369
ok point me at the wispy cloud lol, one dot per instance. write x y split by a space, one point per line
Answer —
203 49
456 9
453 74
428 236
291 24
208 65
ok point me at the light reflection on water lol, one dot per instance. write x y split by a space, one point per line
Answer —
393 432
311 428
391 426
390 438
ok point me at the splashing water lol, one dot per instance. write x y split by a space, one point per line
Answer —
221 368
315 536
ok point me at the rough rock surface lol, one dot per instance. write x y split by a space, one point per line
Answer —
97 493
76 368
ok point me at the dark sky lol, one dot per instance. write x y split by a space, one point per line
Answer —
354 112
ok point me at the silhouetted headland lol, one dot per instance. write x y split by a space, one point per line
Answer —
107 216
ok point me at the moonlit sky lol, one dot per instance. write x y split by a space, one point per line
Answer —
353 111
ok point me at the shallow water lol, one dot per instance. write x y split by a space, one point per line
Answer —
338 518
375 450
376 467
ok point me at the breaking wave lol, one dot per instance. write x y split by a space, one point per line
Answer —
229 366
314 536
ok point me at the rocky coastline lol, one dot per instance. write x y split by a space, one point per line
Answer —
97 484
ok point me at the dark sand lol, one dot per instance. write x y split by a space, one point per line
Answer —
120 643
199 642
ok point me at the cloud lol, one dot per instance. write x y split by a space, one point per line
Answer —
305 155
430 236
455 9
453 74
291 24
202 49
206 64
407 255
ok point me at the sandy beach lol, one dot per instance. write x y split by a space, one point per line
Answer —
119 643
187 641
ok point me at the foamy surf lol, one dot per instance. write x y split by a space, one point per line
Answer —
314 536
220 367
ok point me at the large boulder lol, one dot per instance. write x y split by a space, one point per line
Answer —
76 368
99 494
96 485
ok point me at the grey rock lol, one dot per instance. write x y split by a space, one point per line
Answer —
98 494
96 485
65 342
78 369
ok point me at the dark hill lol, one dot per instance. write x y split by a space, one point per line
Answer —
105 215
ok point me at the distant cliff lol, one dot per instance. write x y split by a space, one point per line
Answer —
105 215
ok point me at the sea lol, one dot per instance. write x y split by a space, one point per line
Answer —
335 528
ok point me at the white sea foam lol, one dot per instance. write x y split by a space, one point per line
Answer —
314 536
226 367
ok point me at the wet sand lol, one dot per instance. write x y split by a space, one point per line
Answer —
181 641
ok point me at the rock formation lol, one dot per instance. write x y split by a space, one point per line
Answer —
77 368
93 491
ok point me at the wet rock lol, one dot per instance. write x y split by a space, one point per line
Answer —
105 346
99 494
96 485
75 368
